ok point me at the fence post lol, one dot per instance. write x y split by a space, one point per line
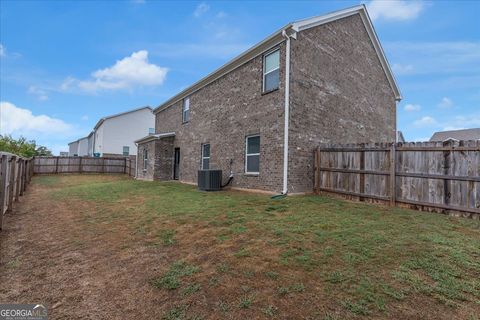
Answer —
316 186
3 189
80 168
103 165
11 183
393 166
446 169
56 164
362 167
125 165
17 179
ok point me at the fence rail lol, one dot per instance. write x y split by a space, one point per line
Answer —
54 165
433 176
15 174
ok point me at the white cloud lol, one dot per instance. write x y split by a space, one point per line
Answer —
394 9
450 128
19 121
40 93
84 118
425 121
127 73
221 14
412 107
446 103
3 51
201 9
402 68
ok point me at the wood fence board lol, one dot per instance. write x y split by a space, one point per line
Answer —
432 176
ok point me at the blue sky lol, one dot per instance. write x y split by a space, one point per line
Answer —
65 64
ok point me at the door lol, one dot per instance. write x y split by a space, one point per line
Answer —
176 164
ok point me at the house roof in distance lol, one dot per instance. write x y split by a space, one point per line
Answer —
464 134
279 36
99 123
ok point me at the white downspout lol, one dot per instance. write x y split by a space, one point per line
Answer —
136 162
286 113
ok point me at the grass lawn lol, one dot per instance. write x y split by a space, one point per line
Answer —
165 250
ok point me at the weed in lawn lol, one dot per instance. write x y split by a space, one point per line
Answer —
270 310
167 237
223 268
15 263
238 228
246 301
242 253
223 306
336 277
272 275
191 288
249 273
171 279
176 313
358 308
293 288
223 237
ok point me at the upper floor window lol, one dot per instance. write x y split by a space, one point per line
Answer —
205 156
126 150
151 130
271 71
186 110
252 154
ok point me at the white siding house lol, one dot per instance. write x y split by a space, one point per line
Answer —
73 148
115 135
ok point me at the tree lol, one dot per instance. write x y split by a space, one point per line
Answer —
22 147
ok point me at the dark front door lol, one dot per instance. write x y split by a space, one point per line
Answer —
176 164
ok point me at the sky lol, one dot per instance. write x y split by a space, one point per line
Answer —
66 64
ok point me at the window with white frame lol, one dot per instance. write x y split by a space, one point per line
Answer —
151 130
145 159
126 150
205 156
186 110
271 71
252 154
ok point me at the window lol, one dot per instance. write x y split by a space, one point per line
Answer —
271 71
126 150
252 155
151 130
145 159
206 156
186 110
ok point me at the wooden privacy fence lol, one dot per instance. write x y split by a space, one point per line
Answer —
432 176
53 165
15 174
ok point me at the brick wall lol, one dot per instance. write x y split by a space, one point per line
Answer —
223 114
339 93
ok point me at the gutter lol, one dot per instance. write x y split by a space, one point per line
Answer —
287 109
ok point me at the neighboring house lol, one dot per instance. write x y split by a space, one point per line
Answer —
114 135
260 116
78 148
400 137
73 149
63 154
465 134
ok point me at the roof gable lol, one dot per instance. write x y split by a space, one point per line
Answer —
278 37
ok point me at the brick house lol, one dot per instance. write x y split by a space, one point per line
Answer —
260 116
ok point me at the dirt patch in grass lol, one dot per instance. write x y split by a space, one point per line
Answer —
107 247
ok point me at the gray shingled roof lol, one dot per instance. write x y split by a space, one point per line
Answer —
466 134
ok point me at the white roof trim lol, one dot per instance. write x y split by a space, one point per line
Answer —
118 115
277 37
157 136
